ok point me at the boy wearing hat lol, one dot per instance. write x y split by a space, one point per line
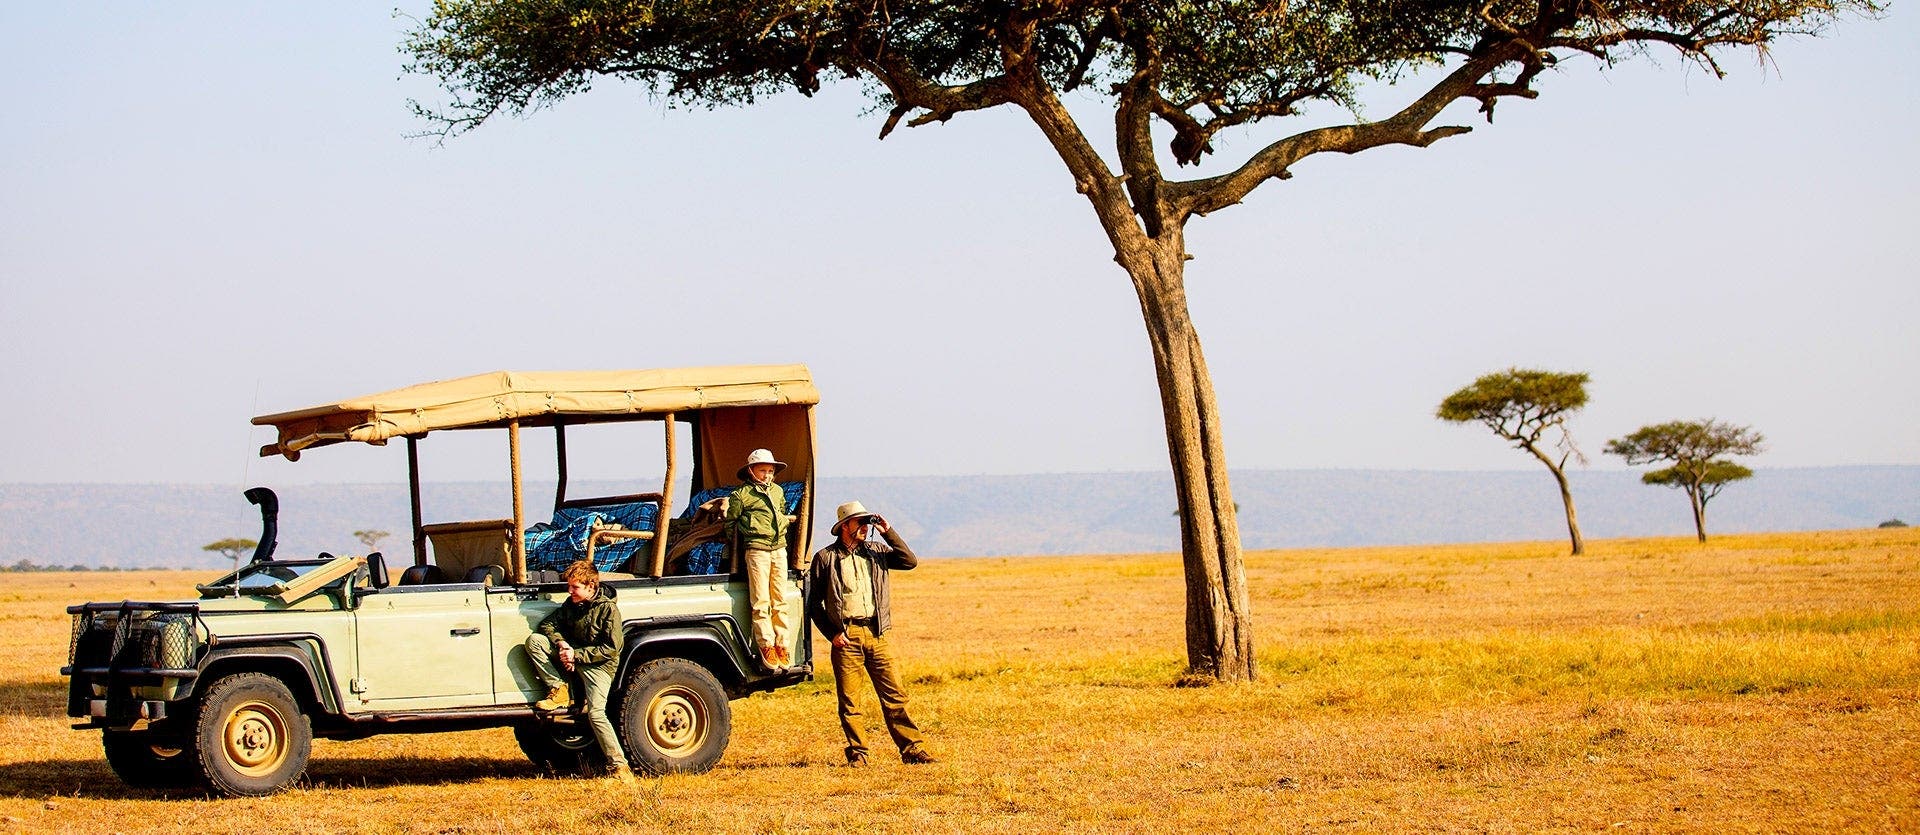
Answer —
757 518
849 604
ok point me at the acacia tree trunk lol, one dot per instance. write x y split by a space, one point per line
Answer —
1219 625
1566 499
1150 244
1699 511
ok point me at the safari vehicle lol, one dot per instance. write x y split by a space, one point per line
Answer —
228 691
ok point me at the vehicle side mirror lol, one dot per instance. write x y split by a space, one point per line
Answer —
377 570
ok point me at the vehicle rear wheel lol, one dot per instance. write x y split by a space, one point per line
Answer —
566 748
674 717
250 738
148 759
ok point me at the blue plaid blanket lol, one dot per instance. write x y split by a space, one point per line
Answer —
707 557
557 544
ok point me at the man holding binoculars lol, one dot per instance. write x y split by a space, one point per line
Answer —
849 604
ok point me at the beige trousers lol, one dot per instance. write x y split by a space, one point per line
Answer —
767 597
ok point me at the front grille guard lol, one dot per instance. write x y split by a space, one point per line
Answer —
135 638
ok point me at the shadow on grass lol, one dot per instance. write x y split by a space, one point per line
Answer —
93 779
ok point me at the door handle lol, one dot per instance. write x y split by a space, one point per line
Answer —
464 632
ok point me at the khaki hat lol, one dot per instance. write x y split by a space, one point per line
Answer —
851 510
761 456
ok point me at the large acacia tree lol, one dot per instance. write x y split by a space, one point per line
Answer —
1197 71
1522 405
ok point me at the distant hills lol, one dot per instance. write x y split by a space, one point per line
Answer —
131 525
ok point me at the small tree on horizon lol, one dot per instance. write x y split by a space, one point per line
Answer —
1694 447
230 548
1521 405
371 538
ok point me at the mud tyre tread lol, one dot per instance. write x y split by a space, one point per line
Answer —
250 737
674 718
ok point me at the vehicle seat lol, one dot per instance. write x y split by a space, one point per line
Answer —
422 575
489 575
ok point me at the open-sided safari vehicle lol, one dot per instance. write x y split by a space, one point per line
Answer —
229 690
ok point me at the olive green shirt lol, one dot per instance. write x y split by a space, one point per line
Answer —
758 515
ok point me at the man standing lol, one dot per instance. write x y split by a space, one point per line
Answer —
849 604
583 637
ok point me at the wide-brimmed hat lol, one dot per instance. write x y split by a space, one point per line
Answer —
852 510
761 456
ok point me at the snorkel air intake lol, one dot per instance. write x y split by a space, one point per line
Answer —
269 522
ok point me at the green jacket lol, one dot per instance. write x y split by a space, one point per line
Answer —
592 628
758 515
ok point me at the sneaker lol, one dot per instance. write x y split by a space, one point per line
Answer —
916 755
786 656
770 658
557 699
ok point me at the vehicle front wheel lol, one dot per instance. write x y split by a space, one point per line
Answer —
148 759
674 717
250 738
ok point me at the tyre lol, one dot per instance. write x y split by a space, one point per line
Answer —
250 737
674 718
564 748
149 759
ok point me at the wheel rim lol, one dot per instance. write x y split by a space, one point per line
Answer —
677 721
255 738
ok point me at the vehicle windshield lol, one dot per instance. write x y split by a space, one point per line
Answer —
265 577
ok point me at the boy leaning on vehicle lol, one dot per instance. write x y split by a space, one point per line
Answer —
583 637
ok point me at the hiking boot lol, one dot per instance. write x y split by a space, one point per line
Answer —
856 759
557 699
916 755
770 658
623 774
785 655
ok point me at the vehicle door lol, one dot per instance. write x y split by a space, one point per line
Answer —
421 643
516 610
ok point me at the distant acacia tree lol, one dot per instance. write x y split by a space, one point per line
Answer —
370 538
1694 447
230 548
1521 405
1188 74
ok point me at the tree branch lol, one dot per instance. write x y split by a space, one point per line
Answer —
1408 127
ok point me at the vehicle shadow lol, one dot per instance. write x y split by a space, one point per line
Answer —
91 778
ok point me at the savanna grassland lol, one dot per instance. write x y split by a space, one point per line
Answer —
1754 683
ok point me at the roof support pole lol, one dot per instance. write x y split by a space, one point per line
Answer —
519 567
413 496
666 501
560 454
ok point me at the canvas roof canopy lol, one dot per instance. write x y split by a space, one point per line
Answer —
536 398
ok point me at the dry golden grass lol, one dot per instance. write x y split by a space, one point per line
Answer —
1756 683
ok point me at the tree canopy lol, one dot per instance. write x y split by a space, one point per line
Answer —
1520 405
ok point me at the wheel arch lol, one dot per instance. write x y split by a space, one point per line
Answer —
705 643
307 677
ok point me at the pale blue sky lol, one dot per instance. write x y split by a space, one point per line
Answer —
211 210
